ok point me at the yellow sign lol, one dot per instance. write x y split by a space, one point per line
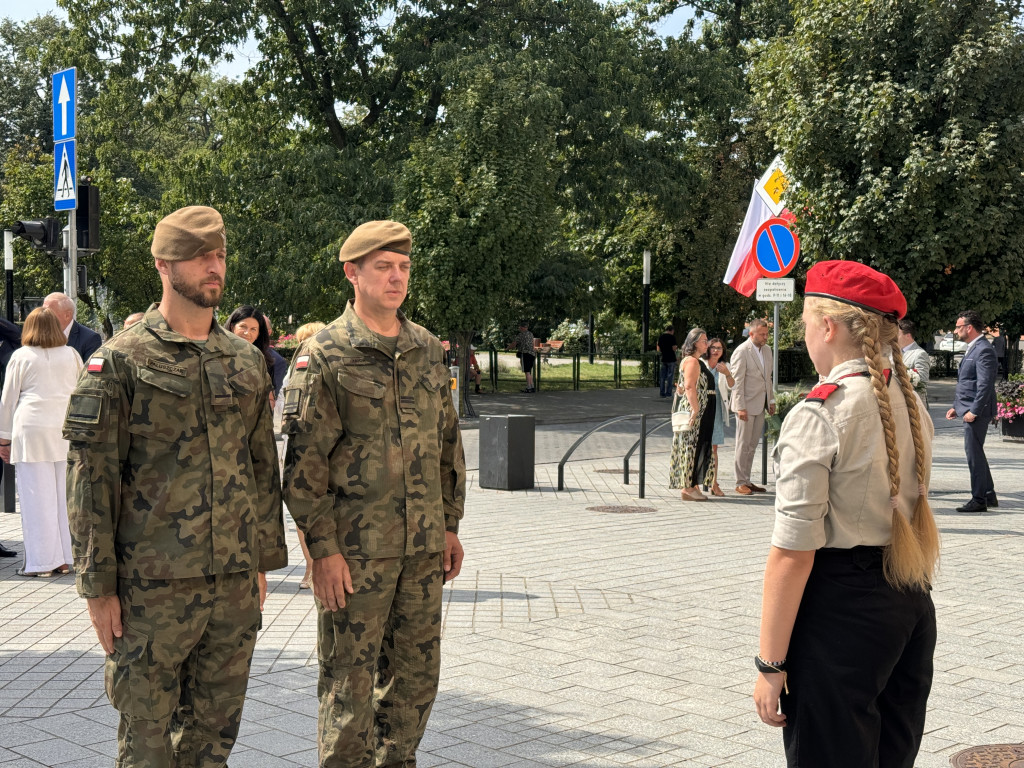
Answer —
772 186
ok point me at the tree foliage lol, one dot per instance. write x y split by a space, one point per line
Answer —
902 122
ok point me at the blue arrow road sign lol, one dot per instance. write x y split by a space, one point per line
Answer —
65 92
65 188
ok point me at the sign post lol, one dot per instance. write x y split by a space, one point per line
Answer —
776 250
65 172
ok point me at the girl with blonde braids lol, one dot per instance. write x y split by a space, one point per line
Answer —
847 621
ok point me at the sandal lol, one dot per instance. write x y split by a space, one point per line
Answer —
694 496
27 574
307 581
716 490
61 570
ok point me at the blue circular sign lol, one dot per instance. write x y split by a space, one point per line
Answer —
776 248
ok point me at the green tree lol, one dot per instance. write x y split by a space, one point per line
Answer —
901 121
478 196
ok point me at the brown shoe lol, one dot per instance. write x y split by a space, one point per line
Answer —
717 491
744 490
756 488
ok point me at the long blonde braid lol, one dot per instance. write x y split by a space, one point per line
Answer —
913 550
925 530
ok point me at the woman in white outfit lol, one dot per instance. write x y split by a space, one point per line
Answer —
40 378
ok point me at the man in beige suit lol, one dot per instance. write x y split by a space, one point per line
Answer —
752 395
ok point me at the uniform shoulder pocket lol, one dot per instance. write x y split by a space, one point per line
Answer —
88 416
298 398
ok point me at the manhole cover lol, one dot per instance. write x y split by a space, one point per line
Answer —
990 756
617 471
622 510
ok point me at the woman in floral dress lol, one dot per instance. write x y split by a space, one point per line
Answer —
691 463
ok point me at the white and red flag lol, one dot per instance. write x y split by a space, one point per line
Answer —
765 203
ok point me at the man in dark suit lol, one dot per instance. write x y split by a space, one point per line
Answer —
975 403
83 340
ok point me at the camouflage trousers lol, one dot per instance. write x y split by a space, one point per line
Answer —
380 663
179 672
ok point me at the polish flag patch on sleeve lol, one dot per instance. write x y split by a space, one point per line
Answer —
96 364
302 362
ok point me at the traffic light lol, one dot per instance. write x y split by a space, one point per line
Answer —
44 234
87 218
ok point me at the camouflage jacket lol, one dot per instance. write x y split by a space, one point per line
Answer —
172 467
374 466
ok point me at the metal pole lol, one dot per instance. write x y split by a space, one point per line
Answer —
71 277
647 300
7 482
9 275
643 452
775 386
591 336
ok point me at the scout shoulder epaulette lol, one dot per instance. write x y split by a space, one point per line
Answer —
821 392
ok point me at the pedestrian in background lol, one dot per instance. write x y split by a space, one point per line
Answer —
280 365
752 396
525 353
83 340
375 478
302 333
667 347
915 358
847 621
175 503
975 403
250 324
690 465
722 376
40 377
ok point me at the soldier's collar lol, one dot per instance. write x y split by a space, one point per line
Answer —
362 337
216 342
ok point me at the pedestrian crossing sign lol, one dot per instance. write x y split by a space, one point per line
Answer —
65 186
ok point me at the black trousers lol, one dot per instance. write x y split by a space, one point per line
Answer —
860 667
974 446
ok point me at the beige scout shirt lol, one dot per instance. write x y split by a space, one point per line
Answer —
173 469
375 466
832 467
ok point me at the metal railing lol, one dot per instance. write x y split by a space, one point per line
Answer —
642 443
619 373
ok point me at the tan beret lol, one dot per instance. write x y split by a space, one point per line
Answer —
376 236
187 233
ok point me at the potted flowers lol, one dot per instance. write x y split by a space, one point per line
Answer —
1010 406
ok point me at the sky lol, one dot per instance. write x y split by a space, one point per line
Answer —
24 10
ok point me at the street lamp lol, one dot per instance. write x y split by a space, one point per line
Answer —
647 297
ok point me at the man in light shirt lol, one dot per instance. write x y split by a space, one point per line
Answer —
752 395
914 357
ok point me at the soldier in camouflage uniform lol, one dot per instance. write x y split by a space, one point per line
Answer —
175 507
375 479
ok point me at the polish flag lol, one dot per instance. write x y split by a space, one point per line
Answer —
743 272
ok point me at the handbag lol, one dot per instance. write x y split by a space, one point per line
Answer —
680 418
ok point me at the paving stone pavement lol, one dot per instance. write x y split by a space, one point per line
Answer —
573 637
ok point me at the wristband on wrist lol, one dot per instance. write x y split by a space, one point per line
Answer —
773 667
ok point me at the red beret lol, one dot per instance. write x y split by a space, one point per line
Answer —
854 283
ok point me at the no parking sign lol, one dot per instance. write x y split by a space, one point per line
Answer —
776 248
